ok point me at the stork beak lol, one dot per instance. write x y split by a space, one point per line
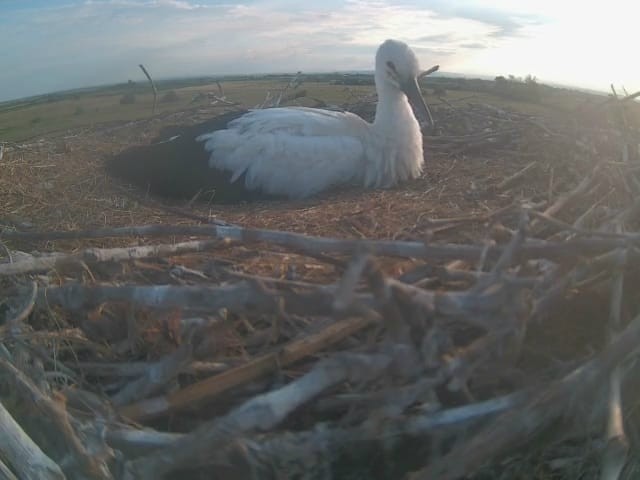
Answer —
412 91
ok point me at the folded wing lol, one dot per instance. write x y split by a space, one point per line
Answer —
295 152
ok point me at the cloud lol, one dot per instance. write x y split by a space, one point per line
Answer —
474 46
439 38
504 22
179 4
102 41
60 44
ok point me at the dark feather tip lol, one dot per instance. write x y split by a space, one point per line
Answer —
176 166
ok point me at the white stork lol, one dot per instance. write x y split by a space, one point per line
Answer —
291 152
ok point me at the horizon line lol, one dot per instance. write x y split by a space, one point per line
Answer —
445 74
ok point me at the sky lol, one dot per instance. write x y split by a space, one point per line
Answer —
51 45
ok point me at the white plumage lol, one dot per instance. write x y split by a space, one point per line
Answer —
297 152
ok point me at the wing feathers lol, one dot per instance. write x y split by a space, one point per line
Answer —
296 152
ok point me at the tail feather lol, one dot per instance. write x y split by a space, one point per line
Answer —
175 165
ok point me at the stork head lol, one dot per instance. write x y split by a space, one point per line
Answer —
397 67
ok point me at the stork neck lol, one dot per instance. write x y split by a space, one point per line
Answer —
393 111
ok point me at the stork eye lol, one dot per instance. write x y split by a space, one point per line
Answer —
392 67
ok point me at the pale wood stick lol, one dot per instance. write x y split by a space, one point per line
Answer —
80 461
509 181
137 442
5 473
31 264
24 456
313 245
236 296
617 444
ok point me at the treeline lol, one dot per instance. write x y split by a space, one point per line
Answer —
514 88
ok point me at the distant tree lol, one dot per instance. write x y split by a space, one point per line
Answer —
517 88
532 88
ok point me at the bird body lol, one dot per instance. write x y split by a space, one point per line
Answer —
292 152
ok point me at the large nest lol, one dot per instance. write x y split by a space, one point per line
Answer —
457 325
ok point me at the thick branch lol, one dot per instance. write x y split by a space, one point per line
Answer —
24 456
31 264
212 386
315 245
261 413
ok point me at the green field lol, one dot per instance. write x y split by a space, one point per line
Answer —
24 119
